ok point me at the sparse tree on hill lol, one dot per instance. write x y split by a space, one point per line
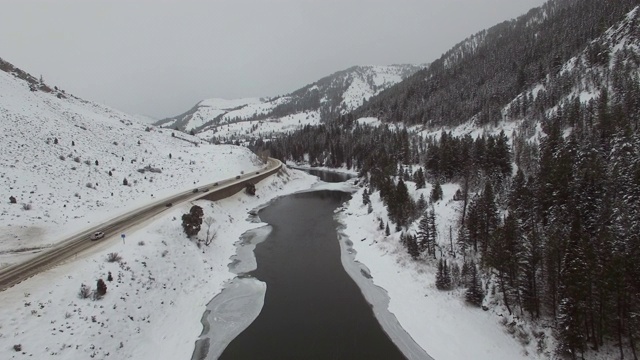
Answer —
211 233
365 197
192 221
101 289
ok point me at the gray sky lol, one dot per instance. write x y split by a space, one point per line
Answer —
159 57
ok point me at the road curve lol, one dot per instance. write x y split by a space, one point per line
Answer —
80 242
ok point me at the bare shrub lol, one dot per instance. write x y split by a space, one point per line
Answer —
13 200
164 253
90 185
17 347
61 157
87 162
85 292
26 206
211 233
113 257
76 159
141 243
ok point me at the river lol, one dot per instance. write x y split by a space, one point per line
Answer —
312 308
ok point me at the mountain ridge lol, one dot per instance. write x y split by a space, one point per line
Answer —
338 93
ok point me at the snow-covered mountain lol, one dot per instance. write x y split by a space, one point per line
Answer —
64 160
333 95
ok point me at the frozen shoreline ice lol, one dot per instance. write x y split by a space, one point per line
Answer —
378 298
239 303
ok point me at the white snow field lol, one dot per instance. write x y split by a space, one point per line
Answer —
439 321
64 187
163 282
158 295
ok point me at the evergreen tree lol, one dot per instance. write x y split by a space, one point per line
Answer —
504 256
574 292
443 276
433 232
192 221
421 205
101 289
436 192
474 294
423 234
418 178
365 197
412 246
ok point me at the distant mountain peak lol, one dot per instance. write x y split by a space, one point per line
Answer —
333 95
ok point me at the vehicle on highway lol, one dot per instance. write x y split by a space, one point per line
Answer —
204 190
97 235
195 190
168 204
215 184
238 177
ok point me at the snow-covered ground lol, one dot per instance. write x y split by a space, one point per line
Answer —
159 291
211 108
65 160
57 156
439 321
262 128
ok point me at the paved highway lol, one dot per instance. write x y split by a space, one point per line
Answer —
80 242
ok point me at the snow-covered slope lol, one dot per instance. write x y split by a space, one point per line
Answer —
336 94
204 112
65 160
160 288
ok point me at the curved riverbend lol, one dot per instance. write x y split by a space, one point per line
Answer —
312 308
323 298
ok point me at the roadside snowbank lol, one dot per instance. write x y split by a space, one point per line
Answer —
158 295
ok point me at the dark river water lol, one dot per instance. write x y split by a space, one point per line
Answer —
312 308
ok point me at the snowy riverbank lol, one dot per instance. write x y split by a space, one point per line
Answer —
439 322
161 287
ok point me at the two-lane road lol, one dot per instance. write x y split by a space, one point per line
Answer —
114 227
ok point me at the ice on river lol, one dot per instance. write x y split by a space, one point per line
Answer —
232 311
379 300
229 314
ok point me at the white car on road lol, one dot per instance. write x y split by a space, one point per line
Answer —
97 235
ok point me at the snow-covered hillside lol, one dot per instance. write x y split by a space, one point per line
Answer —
160 287
205 111
65 161
338 94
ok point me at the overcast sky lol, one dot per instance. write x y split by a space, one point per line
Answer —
159 57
